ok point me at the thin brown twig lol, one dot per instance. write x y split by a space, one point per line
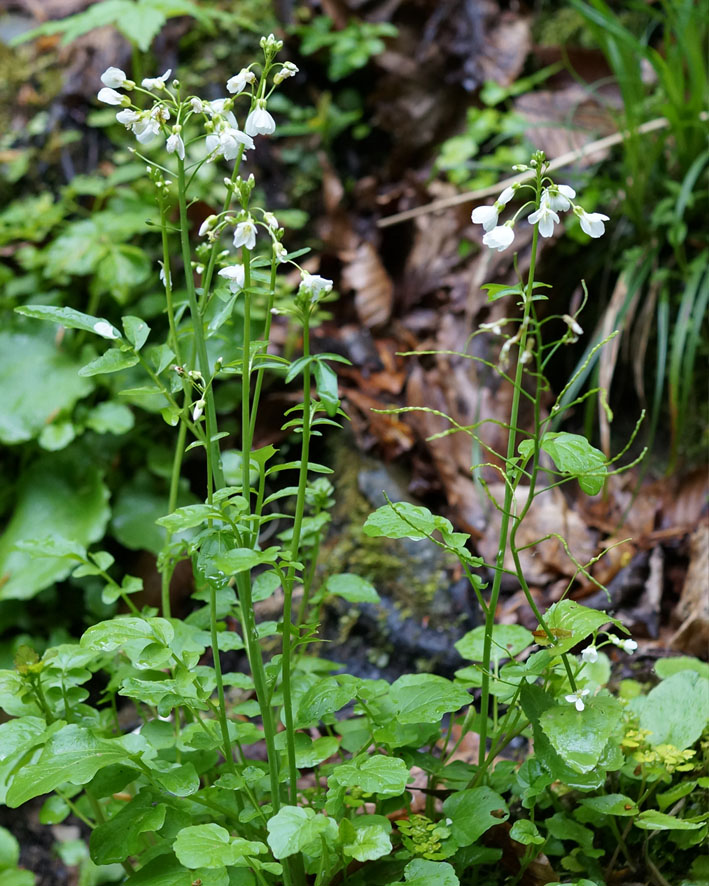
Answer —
569 157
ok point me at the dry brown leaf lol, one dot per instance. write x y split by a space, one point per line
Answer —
549 513
692 636
364 273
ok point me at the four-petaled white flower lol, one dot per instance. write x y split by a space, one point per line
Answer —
235 275
590 655
227 142
499 238
245 234
197 104
114 77
110 97
156 82
105 330
545 217
558 197
626 644
259 121
591 222
576 698
486 216
314 283
239 81
175 145
128 117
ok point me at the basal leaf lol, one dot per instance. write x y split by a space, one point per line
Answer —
71 755
297 829
579 737
474 811
121 836
377 774
425 698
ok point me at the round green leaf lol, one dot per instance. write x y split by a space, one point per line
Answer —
211 846
57 495
295 829
26 363
507 641
425 698
473 812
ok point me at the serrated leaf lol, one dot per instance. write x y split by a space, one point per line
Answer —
243 559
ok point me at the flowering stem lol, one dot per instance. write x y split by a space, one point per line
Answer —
290 577
216 474
510 488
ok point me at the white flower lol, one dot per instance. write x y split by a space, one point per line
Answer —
207 225
558 197
146 128
196 104
128 117
589 655
288 70
114 77
270 220
227 142
546 217
591 222
576 698
111 97
572 324
105 330
626 645
165 277
235 275
198 410
238 82
486 216
259 121
245 234
175 145
499 238
314 283
156 82
507 195
280 252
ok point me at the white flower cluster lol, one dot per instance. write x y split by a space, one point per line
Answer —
554 199
222 134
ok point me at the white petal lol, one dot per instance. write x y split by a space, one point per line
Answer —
113 77
110 96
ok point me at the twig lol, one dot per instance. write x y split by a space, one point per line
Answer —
564 160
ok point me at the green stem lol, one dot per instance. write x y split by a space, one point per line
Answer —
216 475
171 505
290 577
509 496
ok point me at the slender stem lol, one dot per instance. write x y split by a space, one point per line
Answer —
290 578
266 335
171 505
509 495
216 475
